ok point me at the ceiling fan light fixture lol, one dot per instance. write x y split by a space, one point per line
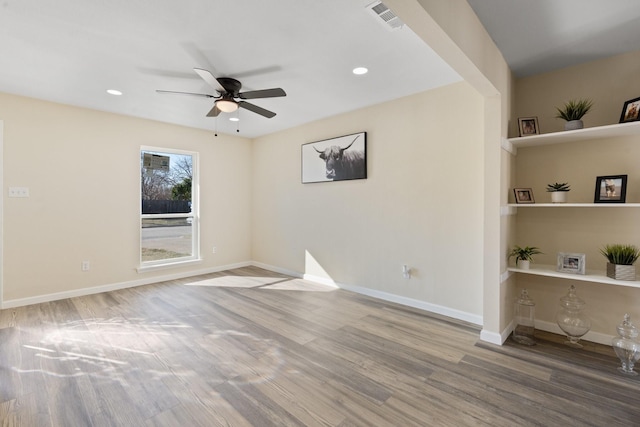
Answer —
226 106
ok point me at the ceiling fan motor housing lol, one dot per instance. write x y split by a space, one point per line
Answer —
232 86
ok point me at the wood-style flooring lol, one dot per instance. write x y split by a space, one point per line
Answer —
249 347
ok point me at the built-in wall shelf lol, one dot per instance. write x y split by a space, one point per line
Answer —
608 131
574 205
591 276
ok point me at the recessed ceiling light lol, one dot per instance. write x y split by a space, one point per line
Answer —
114 92
360 71
234 119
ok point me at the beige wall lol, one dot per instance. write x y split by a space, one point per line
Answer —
609 83
421 204
454 32
82 169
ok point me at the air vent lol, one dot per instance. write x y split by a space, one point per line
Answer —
385 14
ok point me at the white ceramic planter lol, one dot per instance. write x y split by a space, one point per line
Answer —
523 264
559 196
573 125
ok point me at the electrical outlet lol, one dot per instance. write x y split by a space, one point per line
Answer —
406 271
86 265
18 192
215 250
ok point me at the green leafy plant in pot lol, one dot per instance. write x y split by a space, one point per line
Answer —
621 259
572 111
558 192
524 256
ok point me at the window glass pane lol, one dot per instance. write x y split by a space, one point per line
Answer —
167 206
166 238
166 181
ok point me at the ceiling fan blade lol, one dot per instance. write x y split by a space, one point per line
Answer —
214 112
258 110
206 95
211 81
265 93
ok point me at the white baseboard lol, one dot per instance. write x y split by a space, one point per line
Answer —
276 269
321 280
491 337
115 286
410 302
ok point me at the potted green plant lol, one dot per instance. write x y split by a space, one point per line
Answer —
621 259
524 256
572 111
558 192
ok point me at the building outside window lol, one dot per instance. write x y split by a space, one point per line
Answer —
169 207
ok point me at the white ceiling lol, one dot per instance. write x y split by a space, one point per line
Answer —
72 51
536 36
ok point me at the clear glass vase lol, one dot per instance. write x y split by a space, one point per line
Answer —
626 347
572 319
523 333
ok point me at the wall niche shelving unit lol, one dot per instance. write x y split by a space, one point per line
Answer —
601 132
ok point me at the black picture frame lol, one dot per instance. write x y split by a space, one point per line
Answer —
335 159
611 189
523 195
528 126
630 111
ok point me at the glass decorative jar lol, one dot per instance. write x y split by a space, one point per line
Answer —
626 346
525 320
572 319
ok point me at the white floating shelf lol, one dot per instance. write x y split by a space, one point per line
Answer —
574 205
591 276
599 132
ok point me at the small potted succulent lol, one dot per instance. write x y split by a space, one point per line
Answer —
524 256
558 192
572 111
621 259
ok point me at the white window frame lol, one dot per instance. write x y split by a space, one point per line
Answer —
194 214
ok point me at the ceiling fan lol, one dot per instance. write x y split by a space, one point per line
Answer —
229 97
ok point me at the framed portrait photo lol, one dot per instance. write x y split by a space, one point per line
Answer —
611 189
630 111
336 159
523 195
528 126
571 263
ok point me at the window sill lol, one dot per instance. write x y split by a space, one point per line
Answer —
167 265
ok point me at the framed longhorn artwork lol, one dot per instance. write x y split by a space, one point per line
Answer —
336 159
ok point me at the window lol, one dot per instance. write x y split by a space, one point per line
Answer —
169 207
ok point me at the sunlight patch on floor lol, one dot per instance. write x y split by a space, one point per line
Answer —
237 281
301 285
271 283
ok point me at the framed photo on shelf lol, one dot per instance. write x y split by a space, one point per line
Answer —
630 111
571 263
611 189
523 195
528 126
